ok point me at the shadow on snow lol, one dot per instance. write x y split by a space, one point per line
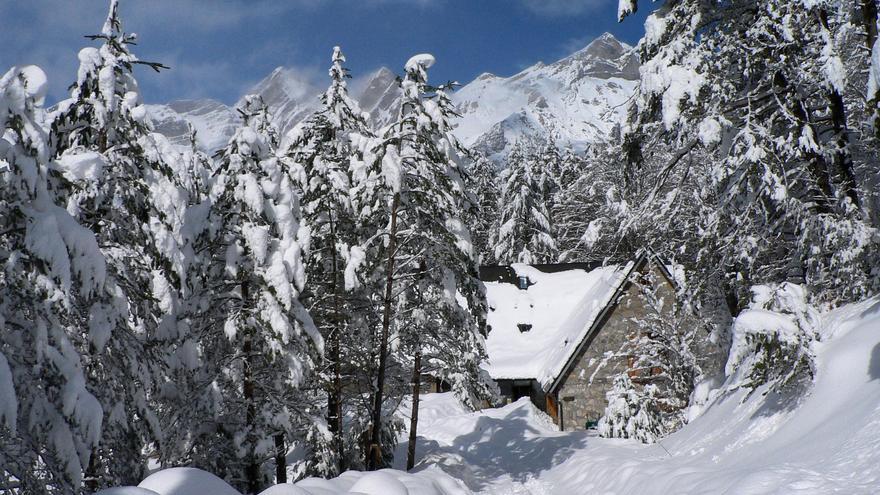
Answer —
496 447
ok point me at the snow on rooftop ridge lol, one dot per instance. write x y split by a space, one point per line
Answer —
561 308
578 325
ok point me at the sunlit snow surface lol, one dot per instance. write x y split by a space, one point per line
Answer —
828 442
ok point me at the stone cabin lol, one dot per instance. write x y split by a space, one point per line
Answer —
550 327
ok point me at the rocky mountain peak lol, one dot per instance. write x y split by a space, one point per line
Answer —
605 57
576 100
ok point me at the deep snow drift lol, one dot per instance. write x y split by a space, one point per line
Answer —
828 442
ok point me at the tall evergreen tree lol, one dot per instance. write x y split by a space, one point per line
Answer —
420 197
483 182
119 192
322 152
50 418
259 342
525 234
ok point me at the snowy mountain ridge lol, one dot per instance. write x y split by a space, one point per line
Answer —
576 100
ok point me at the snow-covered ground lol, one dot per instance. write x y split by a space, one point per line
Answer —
828 442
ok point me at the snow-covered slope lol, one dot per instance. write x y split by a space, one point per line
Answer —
577 100
213 122
828 442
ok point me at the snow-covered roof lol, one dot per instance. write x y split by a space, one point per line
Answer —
561 307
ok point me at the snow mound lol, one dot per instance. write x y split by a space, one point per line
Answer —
386 482
284 489
191 481
126 490
186 481
379 483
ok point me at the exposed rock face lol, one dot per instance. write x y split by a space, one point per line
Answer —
576 100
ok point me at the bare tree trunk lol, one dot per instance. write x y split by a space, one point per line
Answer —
334 395
280 459
842 159
869 20
374 453
414 417
252 468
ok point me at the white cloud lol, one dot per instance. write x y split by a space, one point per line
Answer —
560 8
49 33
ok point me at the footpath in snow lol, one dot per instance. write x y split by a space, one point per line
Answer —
828 442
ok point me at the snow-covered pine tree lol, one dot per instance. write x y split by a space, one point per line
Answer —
266 344
483 182
321 152
50 419
781 175
189 402
773 341
421 200
631 412
128 199
589 206
549 166
525 234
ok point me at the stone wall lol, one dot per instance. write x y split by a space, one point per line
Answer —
582 393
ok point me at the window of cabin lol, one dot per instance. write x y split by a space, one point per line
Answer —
523 282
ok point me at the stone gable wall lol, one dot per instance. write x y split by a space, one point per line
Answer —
582 393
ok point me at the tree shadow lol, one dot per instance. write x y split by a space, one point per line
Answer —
874 364
780 402
497 447
875 308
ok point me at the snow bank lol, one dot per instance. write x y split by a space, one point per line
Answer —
186 481
560 307
126 490
758 443
191 481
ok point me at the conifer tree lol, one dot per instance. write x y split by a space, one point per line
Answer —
649 397
420 197
322 152
128 199
50 418
259 342
483 182
525 234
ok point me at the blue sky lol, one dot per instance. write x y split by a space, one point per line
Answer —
219 48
